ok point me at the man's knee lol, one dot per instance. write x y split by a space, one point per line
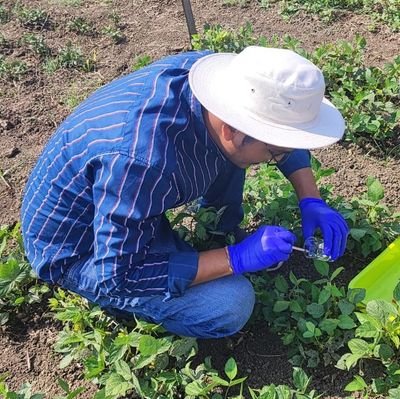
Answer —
230 313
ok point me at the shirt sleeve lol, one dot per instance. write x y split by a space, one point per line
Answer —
129 200
295 160
227 191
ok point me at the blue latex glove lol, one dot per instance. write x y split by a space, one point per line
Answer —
264 248
316 213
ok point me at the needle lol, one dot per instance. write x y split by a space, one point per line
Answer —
298 249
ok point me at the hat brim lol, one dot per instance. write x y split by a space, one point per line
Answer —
208 83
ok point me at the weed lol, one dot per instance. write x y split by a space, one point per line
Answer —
114 33
4 14
70 57
216 38
18 283
141 62
36 44
33 18
240 3
12 70
80 26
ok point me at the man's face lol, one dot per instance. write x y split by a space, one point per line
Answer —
251 151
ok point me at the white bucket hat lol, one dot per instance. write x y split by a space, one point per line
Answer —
273 95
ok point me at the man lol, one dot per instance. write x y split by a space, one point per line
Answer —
183 128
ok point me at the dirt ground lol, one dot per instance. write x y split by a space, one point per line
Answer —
31 109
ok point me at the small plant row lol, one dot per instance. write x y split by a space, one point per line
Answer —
366 96
387 12
205 381
70 57
37 19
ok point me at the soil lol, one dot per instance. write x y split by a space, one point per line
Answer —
32 108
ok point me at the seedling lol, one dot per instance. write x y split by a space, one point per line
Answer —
33 18
81 26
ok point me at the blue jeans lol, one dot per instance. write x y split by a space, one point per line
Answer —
214 309
209 310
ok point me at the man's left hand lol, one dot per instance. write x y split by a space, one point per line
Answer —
315 213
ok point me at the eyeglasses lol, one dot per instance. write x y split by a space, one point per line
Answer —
277 156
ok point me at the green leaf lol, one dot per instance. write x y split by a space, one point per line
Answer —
358 384
66 361
281 284
396 292
220 381
231 368
324 296
328 325
346 307
384 351
280 306
322 267
346 322
356 295
182 347
359 347
300 379
117 386
295 307
381 310
94 365
123 369
375 189
195 388
367 330
394 393
148 345
315 310
357 233
63 385
336 273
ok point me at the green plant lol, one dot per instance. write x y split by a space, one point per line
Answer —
4 15
141 62
216 38
12 70
81 26
18 284
71 57
373 225
367 96
114 33
314 318
34 18
199 227
120 357
377 337
240 3
23 393
202 387
301 382
36 44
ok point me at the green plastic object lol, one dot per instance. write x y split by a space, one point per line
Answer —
381 276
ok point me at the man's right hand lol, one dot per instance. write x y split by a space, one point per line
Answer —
264 248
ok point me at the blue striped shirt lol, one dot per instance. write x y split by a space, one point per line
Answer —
134 149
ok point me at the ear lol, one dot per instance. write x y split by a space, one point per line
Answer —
230 134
